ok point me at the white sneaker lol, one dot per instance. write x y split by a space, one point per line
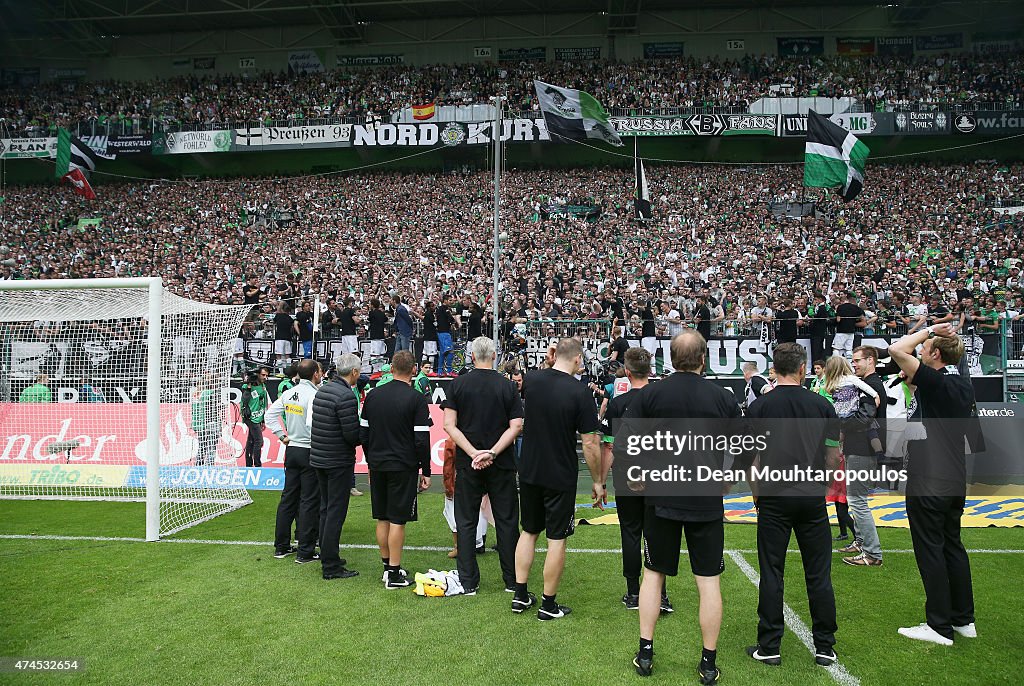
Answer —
967 630
923 632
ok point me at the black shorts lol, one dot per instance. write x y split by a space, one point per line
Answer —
393 496
544 509
705 543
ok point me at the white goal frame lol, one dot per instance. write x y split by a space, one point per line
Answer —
153 286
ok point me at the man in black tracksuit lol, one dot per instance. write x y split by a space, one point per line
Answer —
483 414
630 506
334 436
785 508
395 433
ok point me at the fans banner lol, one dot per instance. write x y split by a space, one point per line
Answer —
855 46
895 46
128 145
522 54
81 437
368 60
698 125
191 142
14 148
663 51
940 41
922 123
325 136
861 124
577 54
801 47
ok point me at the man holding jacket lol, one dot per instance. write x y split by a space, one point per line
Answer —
334 437
403 325
289 418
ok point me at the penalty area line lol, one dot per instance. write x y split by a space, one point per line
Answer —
838 672
420 548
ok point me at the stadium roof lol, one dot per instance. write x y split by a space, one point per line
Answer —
54 18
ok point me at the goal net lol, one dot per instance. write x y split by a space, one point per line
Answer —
97 405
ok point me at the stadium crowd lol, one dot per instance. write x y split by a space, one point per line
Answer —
688 82
916 232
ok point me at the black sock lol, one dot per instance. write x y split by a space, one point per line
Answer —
386 562
391 568
632 585
646 648
707 659
548 602
521 593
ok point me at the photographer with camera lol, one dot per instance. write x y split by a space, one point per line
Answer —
253 406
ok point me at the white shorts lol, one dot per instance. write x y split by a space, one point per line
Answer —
429 348
349 344
650 344
378 348
282 347
238 347
843 341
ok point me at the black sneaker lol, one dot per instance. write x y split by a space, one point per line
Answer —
306 560
755 653
644 665
290 550
825 658
632 602
707 677
482 548
666 606
399 579
519 606
841 537
341 574
510 589
558 612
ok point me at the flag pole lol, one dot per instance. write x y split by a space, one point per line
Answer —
497 219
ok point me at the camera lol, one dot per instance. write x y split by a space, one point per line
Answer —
252 378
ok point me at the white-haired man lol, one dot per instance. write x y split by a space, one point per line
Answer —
483 414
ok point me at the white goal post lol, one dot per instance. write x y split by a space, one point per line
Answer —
115 389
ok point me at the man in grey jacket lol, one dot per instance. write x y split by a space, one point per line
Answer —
289 418
334 437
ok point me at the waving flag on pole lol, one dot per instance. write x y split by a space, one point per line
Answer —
573 114
75 160
833 157
641 194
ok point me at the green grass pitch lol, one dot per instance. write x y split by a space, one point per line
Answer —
202 613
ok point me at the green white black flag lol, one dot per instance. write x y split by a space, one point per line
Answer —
574 114
833 157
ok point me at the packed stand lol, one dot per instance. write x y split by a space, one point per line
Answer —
623 87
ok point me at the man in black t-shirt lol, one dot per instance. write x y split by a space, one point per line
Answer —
447 324
483 414
619 346
395 435
684 395
786 320
783 509
849 320
702 317
558 407
347 320
378 320
284 331
818 329
937 480
304 328
630 509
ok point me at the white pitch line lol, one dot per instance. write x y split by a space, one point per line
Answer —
420 548
795 624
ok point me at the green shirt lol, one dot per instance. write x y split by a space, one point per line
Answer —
421 383
257 399
201 409
36 393
284 386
